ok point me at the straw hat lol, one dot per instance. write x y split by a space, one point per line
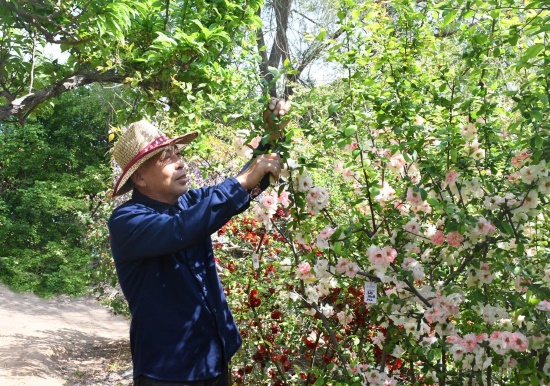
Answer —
140 142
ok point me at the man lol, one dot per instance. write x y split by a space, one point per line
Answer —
182 331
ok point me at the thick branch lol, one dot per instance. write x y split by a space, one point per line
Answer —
40 22
264 67
314 52
280 44
23 106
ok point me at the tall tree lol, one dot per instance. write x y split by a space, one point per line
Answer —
155 48
294 36
53 174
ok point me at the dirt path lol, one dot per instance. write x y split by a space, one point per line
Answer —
61 342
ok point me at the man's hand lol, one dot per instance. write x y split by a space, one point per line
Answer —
258 168
277 108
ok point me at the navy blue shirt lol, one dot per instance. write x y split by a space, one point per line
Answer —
182 328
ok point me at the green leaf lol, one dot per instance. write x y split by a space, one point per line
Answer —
533 51
350 130
537 142
507 228
480 38
320 381
449 17
513 39
165 40
321 35
286 63
520 248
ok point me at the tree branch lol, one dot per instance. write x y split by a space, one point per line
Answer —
23 106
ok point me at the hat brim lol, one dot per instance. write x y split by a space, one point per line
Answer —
124 184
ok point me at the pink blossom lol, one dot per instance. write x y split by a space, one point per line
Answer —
303 271
457 352
544 306
469 130
400 206
429 340
342 265
379 339
451 177
327 232
454 239
438 238
386 194
422 207
352 269
454 339
484 273
495 335
498 345
432 314
518 342
347 173
469 342
317 199
517 162
506 337
485 227
322 240
391 253
413 196
482 337
527 174
412 226
514 177
520 158
269 203
397 162
284 199
344 318
354 145
377 255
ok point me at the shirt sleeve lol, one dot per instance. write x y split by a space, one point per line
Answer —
139 231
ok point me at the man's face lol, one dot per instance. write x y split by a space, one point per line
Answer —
163 177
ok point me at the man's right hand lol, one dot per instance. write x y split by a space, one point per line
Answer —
258 168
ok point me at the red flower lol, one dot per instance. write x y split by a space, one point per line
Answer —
253 299
276 314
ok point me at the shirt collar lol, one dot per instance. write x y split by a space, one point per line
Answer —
161 207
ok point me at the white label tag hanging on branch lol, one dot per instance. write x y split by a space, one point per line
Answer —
255 261
370 292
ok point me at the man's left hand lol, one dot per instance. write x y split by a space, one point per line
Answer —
273 117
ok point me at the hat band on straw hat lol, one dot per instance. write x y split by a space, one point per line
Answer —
155 144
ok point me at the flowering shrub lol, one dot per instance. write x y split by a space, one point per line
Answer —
408 242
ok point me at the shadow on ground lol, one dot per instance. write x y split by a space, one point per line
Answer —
62 341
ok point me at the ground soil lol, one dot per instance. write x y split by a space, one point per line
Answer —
61 342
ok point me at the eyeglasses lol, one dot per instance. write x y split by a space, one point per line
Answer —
169 152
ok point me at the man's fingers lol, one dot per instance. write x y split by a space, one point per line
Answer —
279 109
279 106
272 156
272 104
274 163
